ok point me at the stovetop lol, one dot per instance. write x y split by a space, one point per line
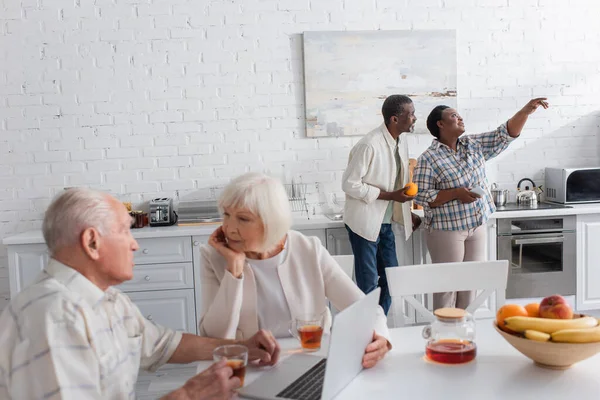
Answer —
525 207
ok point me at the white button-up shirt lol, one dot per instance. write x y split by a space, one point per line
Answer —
64 338
371 168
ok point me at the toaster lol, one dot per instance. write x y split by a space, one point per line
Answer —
162 212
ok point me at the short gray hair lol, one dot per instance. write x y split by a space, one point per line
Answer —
264 196
73 211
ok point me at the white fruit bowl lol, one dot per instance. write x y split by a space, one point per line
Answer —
551 354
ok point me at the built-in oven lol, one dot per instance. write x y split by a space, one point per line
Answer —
541 252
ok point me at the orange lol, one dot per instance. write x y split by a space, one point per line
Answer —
509 310
411 189
533 309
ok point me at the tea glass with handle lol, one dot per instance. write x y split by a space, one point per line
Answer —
308 329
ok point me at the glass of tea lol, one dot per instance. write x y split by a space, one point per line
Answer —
236 356
451 337
308 329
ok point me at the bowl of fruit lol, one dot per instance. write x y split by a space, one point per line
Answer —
549 333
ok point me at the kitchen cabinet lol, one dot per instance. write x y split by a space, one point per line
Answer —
163 286
320 233
160 276
338 243
490 248
405 256
588 262
159 250
25 263
172 308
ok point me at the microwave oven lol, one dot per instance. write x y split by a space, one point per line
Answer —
573 185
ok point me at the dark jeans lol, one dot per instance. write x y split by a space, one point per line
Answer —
370 261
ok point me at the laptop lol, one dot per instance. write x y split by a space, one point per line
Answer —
309 377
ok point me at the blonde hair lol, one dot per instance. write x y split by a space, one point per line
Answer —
73 211
265 197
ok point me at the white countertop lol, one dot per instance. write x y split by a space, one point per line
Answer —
576 209
299 223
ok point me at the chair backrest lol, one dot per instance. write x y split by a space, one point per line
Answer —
347 264
488 276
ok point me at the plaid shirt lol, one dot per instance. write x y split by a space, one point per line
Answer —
440 167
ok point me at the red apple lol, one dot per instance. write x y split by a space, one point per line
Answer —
555 307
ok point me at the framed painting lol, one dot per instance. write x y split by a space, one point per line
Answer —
349 74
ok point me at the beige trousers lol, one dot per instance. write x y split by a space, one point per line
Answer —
455 246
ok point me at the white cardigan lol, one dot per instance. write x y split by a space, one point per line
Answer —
309 277
371 169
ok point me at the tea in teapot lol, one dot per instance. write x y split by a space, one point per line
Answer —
451 337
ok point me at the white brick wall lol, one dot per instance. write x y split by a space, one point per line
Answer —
142 99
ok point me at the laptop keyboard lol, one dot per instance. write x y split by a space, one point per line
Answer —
309 386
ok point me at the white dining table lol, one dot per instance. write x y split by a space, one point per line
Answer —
498 372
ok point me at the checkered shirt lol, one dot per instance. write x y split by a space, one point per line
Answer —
440 167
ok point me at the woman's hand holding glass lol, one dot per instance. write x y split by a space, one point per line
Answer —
375 351
235 260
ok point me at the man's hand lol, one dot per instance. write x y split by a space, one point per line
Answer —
215 383
400 196
416 221
465 196
375 351
263 347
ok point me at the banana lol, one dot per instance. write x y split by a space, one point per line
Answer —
548 325
589 335
537 335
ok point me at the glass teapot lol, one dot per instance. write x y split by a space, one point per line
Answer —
451 337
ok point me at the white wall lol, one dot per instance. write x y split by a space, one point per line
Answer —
147 97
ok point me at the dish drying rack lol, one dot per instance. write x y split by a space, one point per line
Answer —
296 193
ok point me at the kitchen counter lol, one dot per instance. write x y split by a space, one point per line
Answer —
577 209
300 223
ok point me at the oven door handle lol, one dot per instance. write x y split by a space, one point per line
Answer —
545 240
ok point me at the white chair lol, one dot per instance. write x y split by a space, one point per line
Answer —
347 264
405 282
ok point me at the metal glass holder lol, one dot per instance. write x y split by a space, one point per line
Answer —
296 193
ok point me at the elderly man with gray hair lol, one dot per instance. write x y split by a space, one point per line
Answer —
71 335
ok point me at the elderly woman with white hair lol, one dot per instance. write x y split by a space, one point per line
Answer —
259 274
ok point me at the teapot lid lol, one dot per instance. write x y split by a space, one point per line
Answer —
450 313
